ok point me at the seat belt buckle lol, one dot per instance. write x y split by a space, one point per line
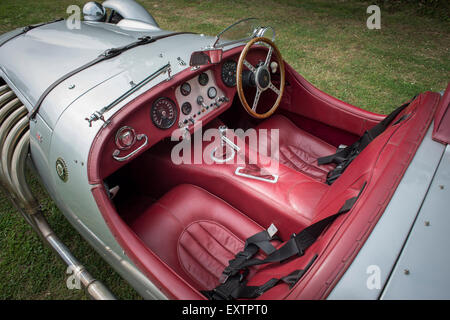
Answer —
272 230
223 278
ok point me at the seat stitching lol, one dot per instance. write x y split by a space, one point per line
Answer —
212 236
203 247
290 147
304 172
200 265
179 244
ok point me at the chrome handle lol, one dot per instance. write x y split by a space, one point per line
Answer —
128 156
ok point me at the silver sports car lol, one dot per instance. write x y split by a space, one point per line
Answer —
206 167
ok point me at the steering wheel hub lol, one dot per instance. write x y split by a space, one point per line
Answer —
262 78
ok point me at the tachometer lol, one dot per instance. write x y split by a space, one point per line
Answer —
164 113
229 73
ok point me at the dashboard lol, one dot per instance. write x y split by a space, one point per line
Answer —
194 98
180 103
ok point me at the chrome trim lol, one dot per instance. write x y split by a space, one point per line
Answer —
99 115
217 160
239 173
139 138
118 144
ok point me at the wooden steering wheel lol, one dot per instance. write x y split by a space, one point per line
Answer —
261 75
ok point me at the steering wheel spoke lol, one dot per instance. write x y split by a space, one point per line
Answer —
249 66
255 102
274 89
269 56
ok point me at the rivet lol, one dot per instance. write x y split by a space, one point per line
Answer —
406 271
441 187
427 223
72 86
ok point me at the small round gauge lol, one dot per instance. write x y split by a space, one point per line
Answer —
125 138
203 79
186 108
212 92
229 73
164 113
185 89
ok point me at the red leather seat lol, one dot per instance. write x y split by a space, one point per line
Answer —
299 150
195 233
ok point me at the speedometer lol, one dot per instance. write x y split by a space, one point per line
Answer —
229 73
164 113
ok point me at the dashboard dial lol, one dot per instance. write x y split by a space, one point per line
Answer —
186 108
203 79
164 113
185 89
212 92
229 73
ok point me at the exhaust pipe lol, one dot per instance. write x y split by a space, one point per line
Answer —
14 151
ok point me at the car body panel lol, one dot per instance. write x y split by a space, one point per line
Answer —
421 271
385 243
53 50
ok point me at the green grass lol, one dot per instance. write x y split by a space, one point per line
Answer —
325 41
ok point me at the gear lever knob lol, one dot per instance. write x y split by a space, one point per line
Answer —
223 131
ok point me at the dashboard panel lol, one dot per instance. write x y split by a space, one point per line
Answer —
202 98
169 106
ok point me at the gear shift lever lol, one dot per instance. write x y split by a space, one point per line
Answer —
223 153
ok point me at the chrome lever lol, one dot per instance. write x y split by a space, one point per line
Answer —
128 156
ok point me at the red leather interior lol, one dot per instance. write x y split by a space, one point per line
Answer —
183 240
195 233
288 203
299 150
302 98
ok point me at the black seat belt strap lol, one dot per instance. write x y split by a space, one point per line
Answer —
296 246
237 270
343 157
259 241
236 289
251 292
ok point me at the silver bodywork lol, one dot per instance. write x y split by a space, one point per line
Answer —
130 9
94 11
61 126
417 199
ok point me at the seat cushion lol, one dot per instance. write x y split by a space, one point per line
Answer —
298 149
195 233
